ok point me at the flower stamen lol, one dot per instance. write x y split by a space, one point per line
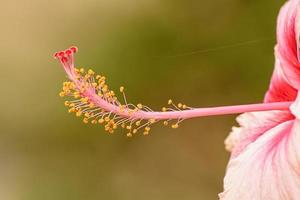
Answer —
90 98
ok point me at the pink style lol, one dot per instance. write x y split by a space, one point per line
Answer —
265 150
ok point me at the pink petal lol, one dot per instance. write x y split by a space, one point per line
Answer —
280 89
295 107
252 126
268 168
265 160
286 79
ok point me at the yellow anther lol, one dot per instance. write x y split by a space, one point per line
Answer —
115 126
112 93
71 110
134 131
85 120
147 129
184 106
107 128
123 125
91 105
105 88
101 84
179 105
94 84
61 94
111 131
164 109
138 123
66 91
67 103
152 121
71 85
84 100
91 72
140 106
129 135
71 105
94 121
166 123
170 101
81 70
106 94
87 114
101 121
122 89
128 127
146 133
76 96
107 119
175 126
86 77
78 113
98 77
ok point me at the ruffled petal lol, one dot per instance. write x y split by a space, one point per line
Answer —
295 107
268 168
286 77
265 159
252 126
280 89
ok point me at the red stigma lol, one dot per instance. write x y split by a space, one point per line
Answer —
63 55
73 49
55 55
64 59
69 52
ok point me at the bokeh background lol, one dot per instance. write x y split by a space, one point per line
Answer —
158 50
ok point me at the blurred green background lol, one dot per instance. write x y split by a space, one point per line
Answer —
45 153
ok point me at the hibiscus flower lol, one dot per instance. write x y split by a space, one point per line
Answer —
265 150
